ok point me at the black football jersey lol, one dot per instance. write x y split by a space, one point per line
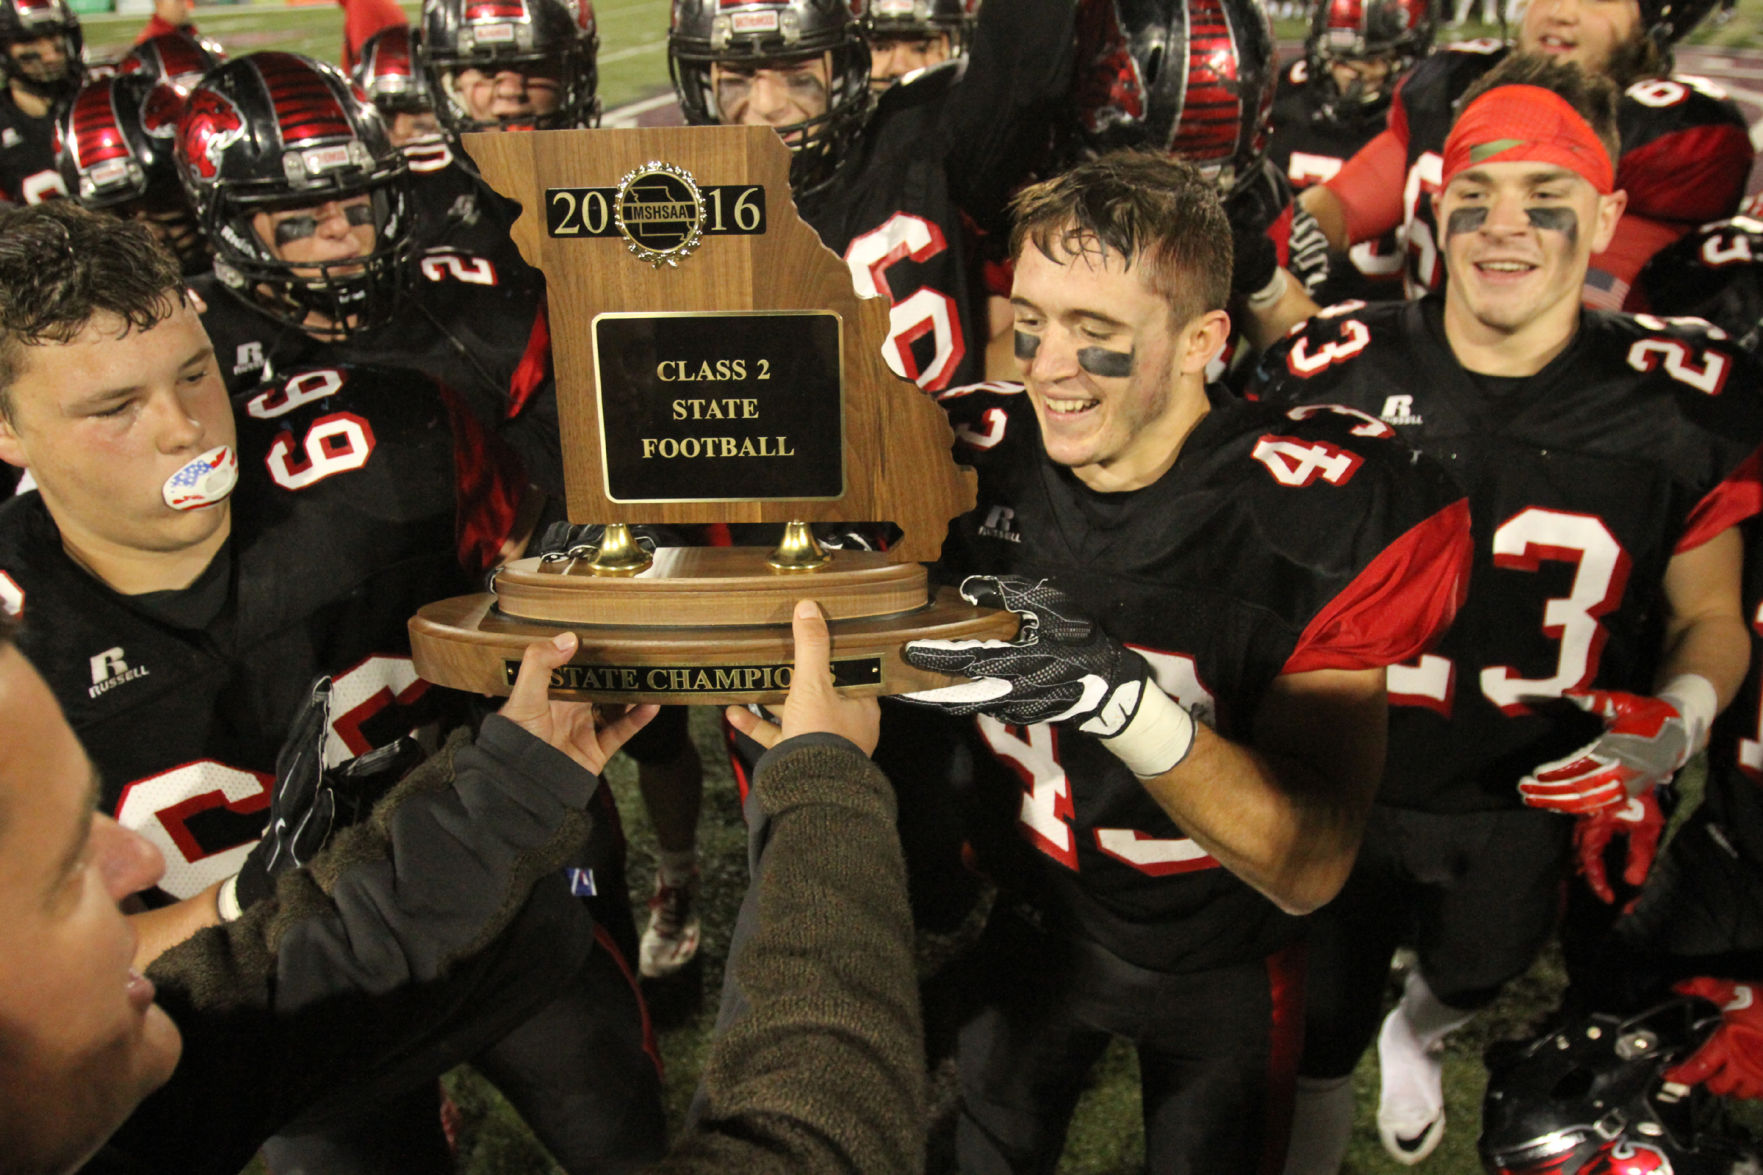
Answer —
454 207
27 155
1639 441
1716 273
932 168
1280 542
1686 154
1308 146
360 493
476 324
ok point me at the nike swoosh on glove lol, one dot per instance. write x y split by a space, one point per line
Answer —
1060 668
1730 1062
1641 821
1645 741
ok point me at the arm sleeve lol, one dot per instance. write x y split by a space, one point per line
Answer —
1399 605
412 941
999 114
818 1062
1369 185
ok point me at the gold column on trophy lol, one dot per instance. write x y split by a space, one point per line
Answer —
714 364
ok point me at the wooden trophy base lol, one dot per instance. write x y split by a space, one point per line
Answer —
702 625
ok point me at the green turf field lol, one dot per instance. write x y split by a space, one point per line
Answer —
1105 1138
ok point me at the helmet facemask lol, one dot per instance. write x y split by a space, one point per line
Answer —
330 299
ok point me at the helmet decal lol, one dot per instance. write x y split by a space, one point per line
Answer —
97 130
305 108
210 125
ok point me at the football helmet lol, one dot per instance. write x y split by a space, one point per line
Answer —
1191 77
1590 1099
30 20
1714 272
389 74
753 33
275 131
1399 32
921 18
114 148
556 38
179 58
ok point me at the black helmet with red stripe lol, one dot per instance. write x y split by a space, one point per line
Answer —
25 21
270 132
389 73
179 58
1194 78
115 145
555 40
754 34
1395 33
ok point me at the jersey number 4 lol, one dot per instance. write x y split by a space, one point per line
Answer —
1046 816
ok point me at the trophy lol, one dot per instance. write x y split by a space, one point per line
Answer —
714 364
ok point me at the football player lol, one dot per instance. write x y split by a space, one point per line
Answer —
894 185
312 264
1607 460
1210 108
114 148
186 573
1190 725
40 62
1685 156
1331 102
909 35
511 64
389 74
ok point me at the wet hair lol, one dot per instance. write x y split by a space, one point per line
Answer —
60 266
1592 96
1151 210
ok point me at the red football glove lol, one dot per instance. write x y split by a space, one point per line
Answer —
1731 1061
1641 821
1644 742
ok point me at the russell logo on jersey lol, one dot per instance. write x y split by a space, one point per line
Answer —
110 669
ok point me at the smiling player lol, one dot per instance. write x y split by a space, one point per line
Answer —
1607 460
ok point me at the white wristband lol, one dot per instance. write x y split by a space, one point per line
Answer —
1158 737
1695 699
226 899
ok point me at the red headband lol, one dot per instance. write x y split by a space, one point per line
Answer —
1523 124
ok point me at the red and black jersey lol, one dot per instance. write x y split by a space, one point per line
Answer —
475 323
360 493
453 206
933 167
1279 543
1716 273
1308 146
1637 442
27 155
1686 156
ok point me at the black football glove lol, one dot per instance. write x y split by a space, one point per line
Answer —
1060 668
303 808
1252 207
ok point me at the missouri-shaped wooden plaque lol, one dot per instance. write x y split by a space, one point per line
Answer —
714 364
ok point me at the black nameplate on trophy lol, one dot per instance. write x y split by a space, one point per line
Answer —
698 679
721 406
730 210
